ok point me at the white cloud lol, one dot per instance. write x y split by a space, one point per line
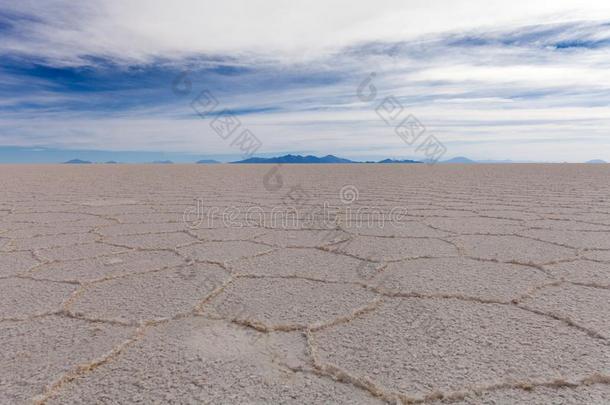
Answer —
141 30
524 75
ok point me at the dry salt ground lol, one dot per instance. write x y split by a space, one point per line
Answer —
123 284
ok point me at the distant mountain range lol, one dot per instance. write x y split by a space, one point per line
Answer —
310 159
332 159
288 159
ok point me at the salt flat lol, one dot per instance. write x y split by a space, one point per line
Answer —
305 284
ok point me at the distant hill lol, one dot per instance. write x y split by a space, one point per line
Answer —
398 161
330 159
597 162
310 159
459 159
288 159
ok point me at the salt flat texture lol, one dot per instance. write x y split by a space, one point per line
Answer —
153 284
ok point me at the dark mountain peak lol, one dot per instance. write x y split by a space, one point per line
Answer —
310 159
77 162
288 159
460 159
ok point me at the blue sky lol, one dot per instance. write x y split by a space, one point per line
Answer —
523 81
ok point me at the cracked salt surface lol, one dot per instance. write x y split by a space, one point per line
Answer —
492 289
